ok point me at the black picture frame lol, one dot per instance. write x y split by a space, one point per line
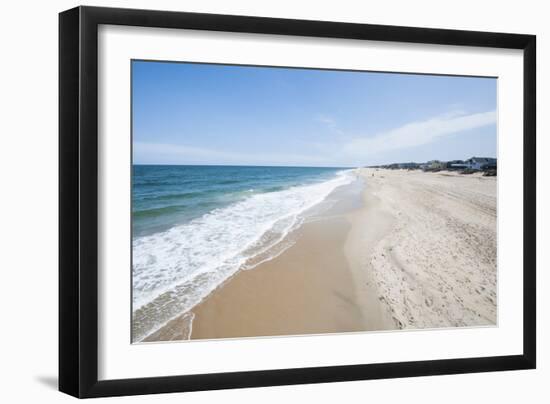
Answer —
78 201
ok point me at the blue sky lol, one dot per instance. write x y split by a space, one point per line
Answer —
215 114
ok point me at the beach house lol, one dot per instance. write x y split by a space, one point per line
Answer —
481 163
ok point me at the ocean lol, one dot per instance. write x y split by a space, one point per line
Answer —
195 226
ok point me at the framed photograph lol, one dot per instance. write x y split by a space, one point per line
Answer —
251 201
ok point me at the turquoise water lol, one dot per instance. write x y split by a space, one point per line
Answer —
195 226
164 196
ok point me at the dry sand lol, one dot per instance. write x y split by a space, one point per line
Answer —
437 267
417 251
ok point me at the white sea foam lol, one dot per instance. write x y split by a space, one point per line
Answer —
175 269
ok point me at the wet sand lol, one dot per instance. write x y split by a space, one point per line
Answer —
316 286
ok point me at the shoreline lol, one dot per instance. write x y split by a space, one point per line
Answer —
368 263
310 288
174 270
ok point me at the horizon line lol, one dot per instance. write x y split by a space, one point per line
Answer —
242 165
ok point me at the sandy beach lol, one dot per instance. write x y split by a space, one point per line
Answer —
400 249
437 266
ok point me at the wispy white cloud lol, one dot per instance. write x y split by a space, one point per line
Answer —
151 153
330 123
344 150
418 133
325 119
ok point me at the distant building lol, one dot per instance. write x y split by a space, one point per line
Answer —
481 163
456 165
407 165
474 163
